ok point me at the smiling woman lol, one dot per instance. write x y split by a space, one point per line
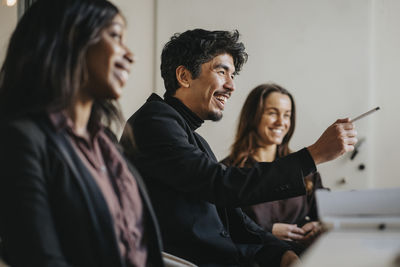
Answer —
108 62
67 195
266 125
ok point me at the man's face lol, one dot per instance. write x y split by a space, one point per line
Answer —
210 91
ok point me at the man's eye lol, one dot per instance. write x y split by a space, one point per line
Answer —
221 72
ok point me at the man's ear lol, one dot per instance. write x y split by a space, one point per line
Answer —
183 76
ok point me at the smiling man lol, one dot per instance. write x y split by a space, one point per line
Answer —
207 94
196 198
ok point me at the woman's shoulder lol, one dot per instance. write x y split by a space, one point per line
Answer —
226 161
230 161
24 136
27 127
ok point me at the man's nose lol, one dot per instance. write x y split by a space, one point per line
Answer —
230 84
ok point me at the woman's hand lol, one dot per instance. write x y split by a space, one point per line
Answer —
312 230
288 232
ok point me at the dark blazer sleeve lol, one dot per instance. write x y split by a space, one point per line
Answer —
244 230
170 155
26 225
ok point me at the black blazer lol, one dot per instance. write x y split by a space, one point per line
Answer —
195 197
52 212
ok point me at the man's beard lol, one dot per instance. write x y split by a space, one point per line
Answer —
215 116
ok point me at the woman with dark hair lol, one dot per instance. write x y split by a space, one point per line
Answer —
266 125
67 195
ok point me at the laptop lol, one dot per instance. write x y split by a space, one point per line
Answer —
369 208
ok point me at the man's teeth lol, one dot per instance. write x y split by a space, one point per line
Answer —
221 98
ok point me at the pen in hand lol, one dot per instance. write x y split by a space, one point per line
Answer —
365 114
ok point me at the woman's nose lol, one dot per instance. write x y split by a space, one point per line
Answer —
279 120
129 56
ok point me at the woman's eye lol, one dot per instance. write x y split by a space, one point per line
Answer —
116 35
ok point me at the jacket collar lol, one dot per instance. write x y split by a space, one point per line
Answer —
96 205
190 117
61 121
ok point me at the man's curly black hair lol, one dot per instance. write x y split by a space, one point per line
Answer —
193 48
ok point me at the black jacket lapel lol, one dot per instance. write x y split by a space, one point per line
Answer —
95 202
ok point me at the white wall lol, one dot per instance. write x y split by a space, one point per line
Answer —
8 20
386 46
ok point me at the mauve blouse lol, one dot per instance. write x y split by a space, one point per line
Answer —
116 182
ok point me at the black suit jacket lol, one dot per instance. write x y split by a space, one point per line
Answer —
52 212
195 197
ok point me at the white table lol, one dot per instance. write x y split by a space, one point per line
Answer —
354 248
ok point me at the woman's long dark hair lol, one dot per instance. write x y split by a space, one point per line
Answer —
247 137
45 61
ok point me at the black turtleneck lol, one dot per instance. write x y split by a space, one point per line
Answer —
192 119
